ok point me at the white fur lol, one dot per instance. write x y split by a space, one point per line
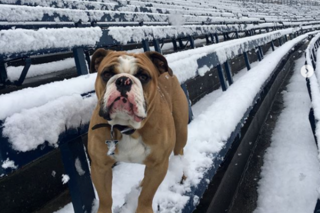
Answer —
131 150
127 64
125 122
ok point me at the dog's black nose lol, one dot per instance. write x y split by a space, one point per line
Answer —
124 81
123 85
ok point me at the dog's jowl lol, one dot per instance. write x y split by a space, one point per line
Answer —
141 117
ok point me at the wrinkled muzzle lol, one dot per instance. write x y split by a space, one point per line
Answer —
123 102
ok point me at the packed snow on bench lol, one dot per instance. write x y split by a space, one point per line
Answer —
185 64
29 98
315 85
40 69
22 40
138 34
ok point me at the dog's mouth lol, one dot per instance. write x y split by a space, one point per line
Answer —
121 108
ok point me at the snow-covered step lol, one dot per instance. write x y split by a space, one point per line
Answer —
129 7
25 13
19 42
72 4
13 13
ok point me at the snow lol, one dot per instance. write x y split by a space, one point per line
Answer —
185 64
32 127
29 109
291 172
137 34
33 97
56 66
221 113
213 11
67 209
22 40
26 13
8 164
78 167
40 69
65 179
314 85
82 5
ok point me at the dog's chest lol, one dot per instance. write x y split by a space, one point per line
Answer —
131 150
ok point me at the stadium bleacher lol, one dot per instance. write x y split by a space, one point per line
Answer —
205 35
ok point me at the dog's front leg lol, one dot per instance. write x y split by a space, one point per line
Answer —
102 179
153 176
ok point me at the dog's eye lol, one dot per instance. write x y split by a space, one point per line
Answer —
107 75
144 78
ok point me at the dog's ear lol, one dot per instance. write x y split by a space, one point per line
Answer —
160 62
96 59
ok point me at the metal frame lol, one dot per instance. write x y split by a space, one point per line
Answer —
228 72
145 45
174 43
258 54
3 73
157 46
80 185
222 78
246 59
80 61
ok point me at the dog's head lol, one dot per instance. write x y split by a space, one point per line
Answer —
126 84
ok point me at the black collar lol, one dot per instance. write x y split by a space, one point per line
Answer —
123 129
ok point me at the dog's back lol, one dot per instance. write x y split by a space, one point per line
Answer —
170 87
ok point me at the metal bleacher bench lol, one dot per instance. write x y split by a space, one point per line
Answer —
312 84
42 28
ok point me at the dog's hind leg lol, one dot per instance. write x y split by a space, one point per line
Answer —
180 112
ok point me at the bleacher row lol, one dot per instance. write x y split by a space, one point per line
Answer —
313 72
35 30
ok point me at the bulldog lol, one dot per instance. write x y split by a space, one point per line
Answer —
141 117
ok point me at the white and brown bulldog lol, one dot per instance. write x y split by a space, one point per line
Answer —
143 114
